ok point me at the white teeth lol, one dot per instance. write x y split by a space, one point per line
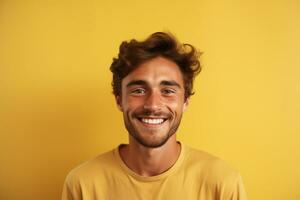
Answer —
152 121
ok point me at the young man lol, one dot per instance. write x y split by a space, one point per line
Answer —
152 83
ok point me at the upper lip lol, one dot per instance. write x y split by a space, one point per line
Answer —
153 117
157 115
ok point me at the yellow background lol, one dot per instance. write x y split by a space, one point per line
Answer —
57 110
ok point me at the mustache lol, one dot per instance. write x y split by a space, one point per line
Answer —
152 113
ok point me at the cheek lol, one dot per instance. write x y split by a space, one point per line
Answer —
132 103
176 106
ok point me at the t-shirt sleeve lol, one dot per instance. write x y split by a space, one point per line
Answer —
238 192
71 189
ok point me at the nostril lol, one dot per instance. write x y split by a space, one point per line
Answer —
152 107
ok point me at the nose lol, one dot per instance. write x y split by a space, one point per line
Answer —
153 101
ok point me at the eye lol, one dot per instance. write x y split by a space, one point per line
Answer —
138 91
168 91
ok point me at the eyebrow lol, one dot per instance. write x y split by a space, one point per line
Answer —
136 82
170 83
163 83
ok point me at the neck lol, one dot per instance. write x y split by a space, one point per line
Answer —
150 161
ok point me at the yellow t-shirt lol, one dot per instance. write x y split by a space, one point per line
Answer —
195 175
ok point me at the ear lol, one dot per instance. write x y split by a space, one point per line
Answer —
185 105
119 103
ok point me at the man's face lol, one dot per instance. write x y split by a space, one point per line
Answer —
152 101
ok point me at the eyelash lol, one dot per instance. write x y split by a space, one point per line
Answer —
138 91
168 91
141 91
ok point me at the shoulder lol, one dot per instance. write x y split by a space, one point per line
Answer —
92 176
91 169
214 174
209 166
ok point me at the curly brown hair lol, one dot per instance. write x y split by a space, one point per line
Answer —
134 53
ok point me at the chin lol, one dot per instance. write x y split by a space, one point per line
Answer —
151 143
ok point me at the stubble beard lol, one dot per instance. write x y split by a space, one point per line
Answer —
132 130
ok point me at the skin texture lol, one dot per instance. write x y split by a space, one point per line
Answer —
153 91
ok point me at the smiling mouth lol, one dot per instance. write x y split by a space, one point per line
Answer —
152 121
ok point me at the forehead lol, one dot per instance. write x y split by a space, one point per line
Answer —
156 70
